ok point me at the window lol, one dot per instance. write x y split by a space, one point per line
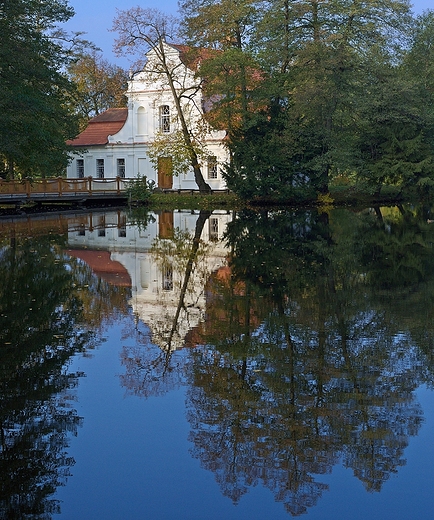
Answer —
100 168
80 168
101 226
167 278
212 167
165 119
121 168
213 229
122 226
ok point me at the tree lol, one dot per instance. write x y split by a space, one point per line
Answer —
303 121
141 30
328 51
34 94
395 131
225 27
100 85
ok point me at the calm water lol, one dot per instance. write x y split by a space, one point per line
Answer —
188 365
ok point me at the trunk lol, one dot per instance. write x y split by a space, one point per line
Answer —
10 166
202 218
203 186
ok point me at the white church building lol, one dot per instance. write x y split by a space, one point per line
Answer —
115 143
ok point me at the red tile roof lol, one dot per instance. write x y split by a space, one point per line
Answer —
100 127
192 56
103 266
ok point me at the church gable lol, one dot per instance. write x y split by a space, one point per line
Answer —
116 143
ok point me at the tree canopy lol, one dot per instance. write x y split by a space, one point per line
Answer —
314 90
36 119
100 85
308 91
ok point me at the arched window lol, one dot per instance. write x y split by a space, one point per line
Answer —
165 119
141 121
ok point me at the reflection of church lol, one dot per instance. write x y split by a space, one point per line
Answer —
154 262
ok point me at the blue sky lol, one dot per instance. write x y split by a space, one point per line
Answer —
95 17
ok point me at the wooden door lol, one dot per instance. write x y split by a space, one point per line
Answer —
165 173
165 224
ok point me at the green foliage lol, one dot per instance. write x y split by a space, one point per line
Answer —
173 145
35 92
264 166
140 189
318 90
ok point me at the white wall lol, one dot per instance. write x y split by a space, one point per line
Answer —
146 93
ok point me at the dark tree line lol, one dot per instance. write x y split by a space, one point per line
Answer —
310 92
50 81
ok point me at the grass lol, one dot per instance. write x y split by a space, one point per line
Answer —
349 195
194 201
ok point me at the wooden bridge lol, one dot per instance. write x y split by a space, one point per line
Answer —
60 189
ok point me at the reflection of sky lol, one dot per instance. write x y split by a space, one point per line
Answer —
132 455
133 461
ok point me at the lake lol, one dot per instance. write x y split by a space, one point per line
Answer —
256 364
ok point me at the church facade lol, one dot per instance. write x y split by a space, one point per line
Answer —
116 142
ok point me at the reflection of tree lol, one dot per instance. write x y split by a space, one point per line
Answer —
326 372
152 370
41 326
185 256
99 301
397 250
249 426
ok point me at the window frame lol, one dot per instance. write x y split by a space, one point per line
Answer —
100 168
213 229
79 164
120 167
164 119
212 167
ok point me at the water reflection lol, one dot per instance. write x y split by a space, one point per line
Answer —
300 337
324 371
50 309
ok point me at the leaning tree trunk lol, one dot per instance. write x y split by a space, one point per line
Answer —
203 186
202 218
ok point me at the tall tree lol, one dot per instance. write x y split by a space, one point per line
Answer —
231 73
141 30
299 124
34 93
100 85
325 59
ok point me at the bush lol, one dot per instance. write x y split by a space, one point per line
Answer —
140 189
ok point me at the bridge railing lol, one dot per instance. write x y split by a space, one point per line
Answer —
61 186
